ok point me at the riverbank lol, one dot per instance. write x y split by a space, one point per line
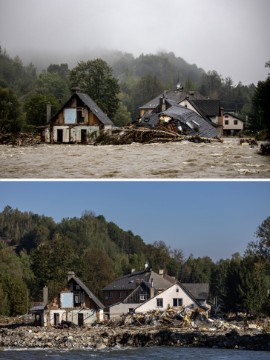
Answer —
101 337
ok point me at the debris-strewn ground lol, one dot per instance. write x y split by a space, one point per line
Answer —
20 139
165 329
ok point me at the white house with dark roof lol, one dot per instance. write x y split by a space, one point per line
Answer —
174 297
232 124
77 121
207 108
134 293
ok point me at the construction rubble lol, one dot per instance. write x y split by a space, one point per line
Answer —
186 318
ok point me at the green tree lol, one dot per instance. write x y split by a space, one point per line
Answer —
211 84
62 70
217 280
35 107
147 88
261 105
197 269
51 262
13 289
92 273
261 247
95 78
122 116
10 112
52 84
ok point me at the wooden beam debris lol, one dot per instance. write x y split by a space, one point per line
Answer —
125 136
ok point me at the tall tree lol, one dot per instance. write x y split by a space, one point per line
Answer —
35 107
94 77
10 112
261 103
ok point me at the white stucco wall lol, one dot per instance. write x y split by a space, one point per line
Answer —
89 316
73 134
231 125
174 292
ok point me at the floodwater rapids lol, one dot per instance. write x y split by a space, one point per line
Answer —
181 160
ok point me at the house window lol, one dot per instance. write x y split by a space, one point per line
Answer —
177 302
142 297
226 122
80 118
226 116
76 300
235 122
159 302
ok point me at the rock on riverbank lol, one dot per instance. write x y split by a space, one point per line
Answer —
105 337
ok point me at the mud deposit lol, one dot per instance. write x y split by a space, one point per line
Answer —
184 160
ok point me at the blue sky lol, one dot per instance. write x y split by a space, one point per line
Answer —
205 218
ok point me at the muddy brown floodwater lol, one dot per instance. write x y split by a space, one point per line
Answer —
184 160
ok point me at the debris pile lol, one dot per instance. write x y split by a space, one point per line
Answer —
265 148
125 136
183 317
249 141
187 318
20 139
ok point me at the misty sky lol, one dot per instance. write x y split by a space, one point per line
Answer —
231 37
215 219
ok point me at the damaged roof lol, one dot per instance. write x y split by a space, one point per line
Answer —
190 122
88 292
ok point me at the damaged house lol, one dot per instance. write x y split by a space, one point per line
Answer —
75 304
174 110
77 121
135 292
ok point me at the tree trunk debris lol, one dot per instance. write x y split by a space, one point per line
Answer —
20 139
125 136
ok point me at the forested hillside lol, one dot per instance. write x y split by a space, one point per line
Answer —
36 251
24 91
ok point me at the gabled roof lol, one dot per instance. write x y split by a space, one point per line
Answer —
206 107
132 280
88 292
173 285
176 96
200 291
92 106
233 116
95 108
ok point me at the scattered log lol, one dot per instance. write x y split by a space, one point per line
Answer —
125 136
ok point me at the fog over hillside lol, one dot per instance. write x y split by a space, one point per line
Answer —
231 37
